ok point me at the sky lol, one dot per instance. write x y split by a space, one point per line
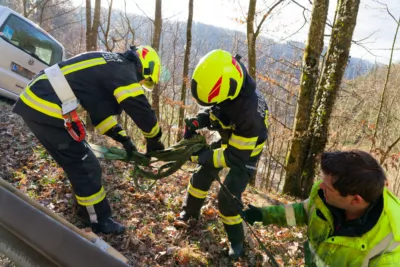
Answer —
375 28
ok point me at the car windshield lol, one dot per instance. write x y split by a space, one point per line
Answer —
31 40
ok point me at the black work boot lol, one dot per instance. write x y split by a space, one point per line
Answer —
235 251
236 238
108 227
191 208
184 216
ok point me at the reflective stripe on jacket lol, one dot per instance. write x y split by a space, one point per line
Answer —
104 83
378 247
242 124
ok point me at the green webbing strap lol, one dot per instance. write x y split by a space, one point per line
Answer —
174 157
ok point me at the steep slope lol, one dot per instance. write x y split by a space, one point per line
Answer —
153 237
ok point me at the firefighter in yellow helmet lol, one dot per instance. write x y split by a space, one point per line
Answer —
104 84
239 113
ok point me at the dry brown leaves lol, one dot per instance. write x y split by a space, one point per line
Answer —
154 237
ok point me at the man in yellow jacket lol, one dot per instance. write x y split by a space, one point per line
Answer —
352 218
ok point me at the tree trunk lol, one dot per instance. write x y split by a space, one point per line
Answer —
185 81
252 35
106 31
92 28
301 136
251 43
25 5
91 42
88 24
251 40
335 65
96 24
156 46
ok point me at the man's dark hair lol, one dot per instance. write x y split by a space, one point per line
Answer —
354 172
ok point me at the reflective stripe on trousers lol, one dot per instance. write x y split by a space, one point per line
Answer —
195 192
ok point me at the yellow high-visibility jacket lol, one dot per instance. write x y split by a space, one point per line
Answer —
380 246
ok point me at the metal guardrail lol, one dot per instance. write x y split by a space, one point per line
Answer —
19 252
31 238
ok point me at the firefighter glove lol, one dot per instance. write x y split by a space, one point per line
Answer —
216 144
191 125
154 145
253 214
202 157
129 147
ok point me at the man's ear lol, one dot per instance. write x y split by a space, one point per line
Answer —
357 199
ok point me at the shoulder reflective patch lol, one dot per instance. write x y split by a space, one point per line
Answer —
83 65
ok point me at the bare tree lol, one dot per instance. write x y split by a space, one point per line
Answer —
185 81
156 45
310 74
336 61
48 14
91 41
382 98
130 30
108 41
92 27
252 35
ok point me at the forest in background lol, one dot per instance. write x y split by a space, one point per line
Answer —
278 67
349 103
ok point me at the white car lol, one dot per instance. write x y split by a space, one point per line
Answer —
25 49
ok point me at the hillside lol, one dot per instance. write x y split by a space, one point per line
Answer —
206 37
153 238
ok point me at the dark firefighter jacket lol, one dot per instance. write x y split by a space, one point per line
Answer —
242 124
104 83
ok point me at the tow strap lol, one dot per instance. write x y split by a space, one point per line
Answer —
69 102
174 157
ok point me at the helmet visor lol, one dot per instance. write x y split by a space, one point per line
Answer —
194 89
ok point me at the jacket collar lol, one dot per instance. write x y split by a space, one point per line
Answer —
249 85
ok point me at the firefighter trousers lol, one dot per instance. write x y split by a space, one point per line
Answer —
236 182
81 166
